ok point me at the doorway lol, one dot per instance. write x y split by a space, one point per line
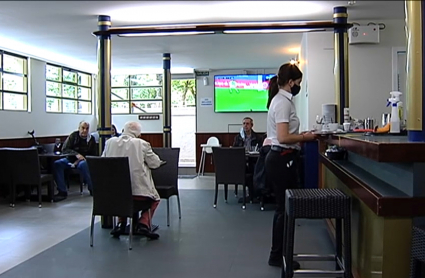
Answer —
183 119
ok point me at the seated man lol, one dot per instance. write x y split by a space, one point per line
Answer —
78 144
248 138
141 159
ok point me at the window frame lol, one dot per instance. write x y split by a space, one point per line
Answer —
69 83
130 99
24 75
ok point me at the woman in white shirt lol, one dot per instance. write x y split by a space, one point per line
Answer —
283 132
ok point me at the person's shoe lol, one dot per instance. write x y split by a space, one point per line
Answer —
143 230
279 263
91 192
60 196
118 230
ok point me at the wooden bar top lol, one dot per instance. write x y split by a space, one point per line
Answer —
381 148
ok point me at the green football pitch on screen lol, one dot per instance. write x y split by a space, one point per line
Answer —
240 100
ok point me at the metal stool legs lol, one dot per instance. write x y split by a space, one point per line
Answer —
318 204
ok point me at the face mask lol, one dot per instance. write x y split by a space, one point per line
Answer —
295 89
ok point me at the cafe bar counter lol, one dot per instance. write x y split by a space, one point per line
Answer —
385 176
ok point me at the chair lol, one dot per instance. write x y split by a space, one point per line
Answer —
112 193
6 174
166 177
417 257
207 149
25 170
318 204
230 168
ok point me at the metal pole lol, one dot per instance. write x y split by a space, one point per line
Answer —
341 63
415 66
104 81
166 99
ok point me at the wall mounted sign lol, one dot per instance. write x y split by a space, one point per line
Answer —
206 102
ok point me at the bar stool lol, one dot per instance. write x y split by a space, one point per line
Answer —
418 252
318 203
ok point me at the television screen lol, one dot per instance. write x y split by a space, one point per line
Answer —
241 93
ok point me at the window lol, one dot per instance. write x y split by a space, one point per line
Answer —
13 82
136 94
68 91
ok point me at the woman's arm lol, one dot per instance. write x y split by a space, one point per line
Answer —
284 137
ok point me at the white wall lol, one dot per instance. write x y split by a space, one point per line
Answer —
209 121
370 72
301 100
15 124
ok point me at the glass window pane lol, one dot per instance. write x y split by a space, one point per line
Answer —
1 103
69 76
84 79
53 73
119 94
69 106
15 101
84 107
53 89
53 105
146 93
121 107
69 91
146 80
1 80
14 64
84 93
14 83
1 56
119 81
146 107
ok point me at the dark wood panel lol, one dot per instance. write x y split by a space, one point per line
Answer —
226 140
155 139
28 142
380 205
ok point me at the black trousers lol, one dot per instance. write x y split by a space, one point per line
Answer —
281 172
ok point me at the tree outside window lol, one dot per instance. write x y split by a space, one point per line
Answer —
13 82
68 90
136 94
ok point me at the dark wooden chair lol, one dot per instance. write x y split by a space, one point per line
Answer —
112 193
25 170
166 177
230 168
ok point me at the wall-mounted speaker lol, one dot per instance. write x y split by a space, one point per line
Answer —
205 79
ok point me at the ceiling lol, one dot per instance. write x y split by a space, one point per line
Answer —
61 31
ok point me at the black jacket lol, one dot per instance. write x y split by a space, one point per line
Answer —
257 140
72 146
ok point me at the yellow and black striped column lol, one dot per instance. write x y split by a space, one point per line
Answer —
104 81
166 99
341 63
415 68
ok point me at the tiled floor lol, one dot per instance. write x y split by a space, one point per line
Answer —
206 242
27 230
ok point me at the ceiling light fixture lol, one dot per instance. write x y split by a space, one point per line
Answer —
294 62
269 31
161 34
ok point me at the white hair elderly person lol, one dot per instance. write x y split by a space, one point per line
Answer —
141 159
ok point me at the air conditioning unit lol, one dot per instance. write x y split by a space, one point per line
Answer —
363 34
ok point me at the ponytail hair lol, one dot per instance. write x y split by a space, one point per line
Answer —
286 72
273 89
